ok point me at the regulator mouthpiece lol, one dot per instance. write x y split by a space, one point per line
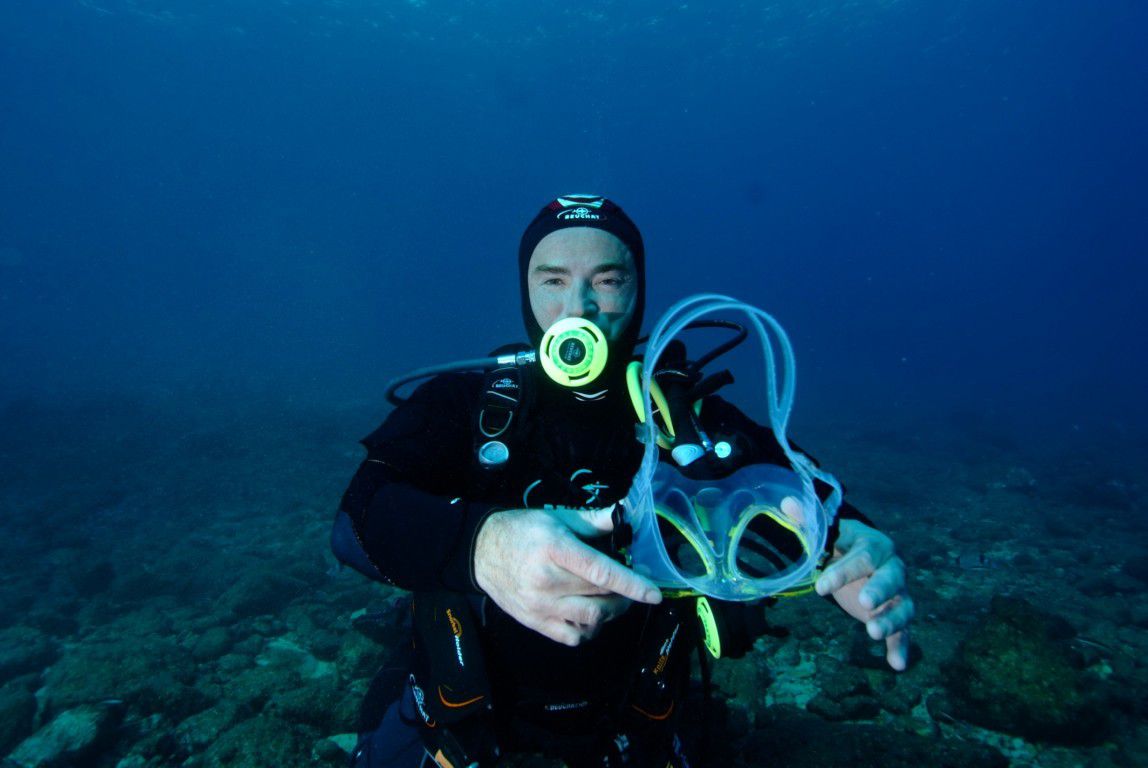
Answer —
573 352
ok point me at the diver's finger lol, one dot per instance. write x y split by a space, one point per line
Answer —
548 626
885 583
846 535
891 620
600 571
558 630
592 612
792 508
852 533
587 523
857 563
897 650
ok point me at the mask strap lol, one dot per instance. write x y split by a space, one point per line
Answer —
664 437
780 389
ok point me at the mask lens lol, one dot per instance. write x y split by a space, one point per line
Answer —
683 554
767 548
680 536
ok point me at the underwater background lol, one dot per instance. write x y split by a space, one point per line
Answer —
225 225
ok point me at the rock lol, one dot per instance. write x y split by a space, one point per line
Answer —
385 624
325 644
74 737
1061 525
212 644
153 743
1025 560
286 654
234 662
358 657
896 693
1016 672
24 650
261 742
1108 584
1137 568
151 675
845 692
92 580
334 750
252 688
261 593
838 680
139 585
795 740
745 680
17 711
267 626
327 752
853 707
200 730
316 704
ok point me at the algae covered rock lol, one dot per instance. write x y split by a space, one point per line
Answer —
1016 672
260 742
845 692
202 729
261 593
24 650
74 737
17 710
213 643
149 674
794 739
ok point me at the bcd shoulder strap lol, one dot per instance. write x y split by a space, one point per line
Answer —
499 405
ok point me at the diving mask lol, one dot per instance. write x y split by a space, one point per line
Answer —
755 533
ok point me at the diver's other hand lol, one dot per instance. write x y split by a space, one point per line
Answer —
867 579
533 565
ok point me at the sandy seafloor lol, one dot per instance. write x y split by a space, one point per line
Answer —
168 598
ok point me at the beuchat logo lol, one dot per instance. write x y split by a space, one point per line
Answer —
580 214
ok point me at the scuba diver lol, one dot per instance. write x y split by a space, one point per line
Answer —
506 500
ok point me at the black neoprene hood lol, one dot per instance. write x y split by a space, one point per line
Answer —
598 213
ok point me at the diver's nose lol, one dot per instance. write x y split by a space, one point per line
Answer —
581 302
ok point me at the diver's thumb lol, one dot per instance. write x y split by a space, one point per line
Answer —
588 523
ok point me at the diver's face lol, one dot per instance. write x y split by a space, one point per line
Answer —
583 272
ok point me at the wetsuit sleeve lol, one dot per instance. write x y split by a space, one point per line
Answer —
407 502
758 444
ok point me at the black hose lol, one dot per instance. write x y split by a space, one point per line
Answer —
476 364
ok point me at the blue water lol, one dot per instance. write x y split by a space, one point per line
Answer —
943 202
217 212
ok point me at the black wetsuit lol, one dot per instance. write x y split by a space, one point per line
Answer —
418 500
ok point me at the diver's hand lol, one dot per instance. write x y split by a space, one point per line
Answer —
533 565
867 579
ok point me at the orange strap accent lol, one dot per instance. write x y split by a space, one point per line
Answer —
662 716
457 705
